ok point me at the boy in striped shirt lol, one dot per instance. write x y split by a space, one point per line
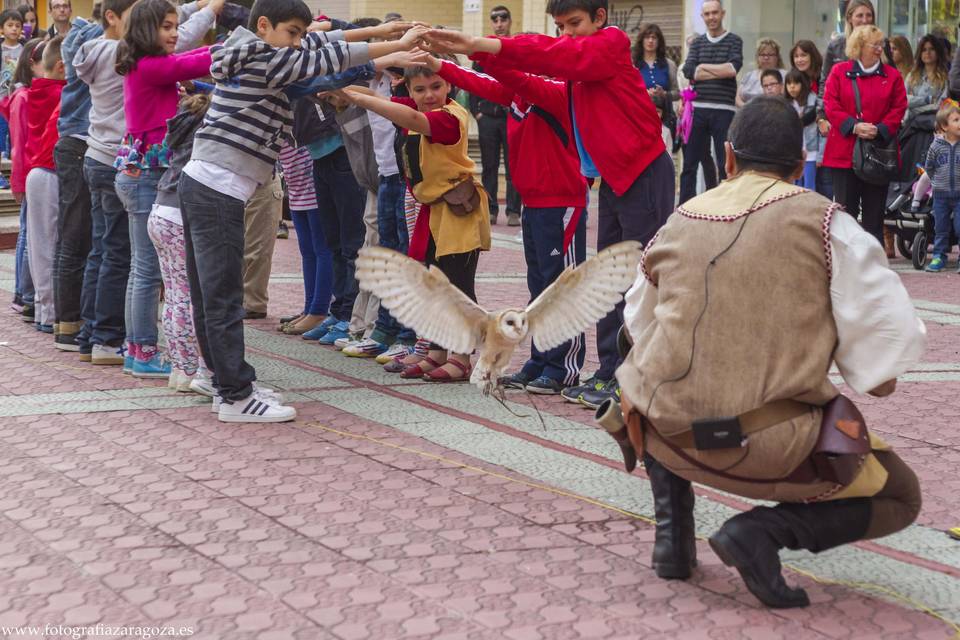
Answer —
235 151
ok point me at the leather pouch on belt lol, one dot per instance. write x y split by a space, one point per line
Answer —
843 443
463 198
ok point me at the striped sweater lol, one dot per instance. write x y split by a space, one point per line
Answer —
718 92
249 116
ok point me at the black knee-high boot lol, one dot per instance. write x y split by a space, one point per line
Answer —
751 542
674 549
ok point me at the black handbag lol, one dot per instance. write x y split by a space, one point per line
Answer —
873 162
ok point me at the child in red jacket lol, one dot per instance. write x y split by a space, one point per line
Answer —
42 190
617 133
546 174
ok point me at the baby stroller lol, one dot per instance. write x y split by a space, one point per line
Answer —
914 229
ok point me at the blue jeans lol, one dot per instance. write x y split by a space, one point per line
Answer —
103 316
809 178
341 201
392 229
138 193
213 236
316 260
945 205
23 283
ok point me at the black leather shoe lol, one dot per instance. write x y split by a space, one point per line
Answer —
751 542
744 543
675 546
254 315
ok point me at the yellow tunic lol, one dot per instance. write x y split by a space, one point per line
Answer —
442 167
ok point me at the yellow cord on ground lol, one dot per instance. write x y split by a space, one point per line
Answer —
868 586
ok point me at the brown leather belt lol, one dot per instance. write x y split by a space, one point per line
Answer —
753 421
840 450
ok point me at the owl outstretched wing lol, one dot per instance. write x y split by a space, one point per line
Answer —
582 296
422 299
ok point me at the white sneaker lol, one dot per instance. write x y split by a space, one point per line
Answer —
203 384
395 350
343 343
273 395
179 381
104 355
366 348
257 407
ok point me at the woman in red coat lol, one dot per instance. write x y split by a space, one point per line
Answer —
884 101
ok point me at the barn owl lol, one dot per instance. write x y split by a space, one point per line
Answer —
424 300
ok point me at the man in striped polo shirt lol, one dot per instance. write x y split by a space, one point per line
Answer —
711 67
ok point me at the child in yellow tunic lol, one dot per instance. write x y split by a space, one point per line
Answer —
447 234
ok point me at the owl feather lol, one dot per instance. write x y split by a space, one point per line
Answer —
425 300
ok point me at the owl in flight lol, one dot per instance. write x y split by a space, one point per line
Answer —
424 300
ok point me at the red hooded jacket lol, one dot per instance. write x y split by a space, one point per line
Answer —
14 109
43 109
543 157
616 119
884 101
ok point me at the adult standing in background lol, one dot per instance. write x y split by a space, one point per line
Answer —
902 54
659 72
883 104
927 80
61 11
712 64
806 58
768 58
492 127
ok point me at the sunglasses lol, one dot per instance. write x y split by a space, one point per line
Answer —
499 16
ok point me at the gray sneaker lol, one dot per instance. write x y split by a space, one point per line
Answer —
572 394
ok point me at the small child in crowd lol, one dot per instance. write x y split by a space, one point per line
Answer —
804 100
165 226
943 168
435 157
11 23
13 108
42 191
546 174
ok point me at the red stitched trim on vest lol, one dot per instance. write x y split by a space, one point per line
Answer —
643 258
827 245
699 216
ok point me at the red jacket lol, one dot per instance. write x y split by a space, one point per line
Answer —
616 119
14 109
543 157
884 101
43 106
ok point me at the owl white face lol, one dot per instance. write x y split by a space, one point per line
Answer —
513 325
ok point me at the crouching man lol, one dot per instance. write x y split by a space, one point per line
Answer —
745 298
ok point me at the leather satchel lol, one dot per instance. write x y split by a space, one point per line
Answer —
463 199
843 443
873 162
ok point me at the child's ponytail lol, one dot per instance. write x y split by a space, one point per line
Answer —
142 36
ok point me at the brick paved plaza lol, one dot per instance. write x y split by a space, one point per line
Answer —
395 509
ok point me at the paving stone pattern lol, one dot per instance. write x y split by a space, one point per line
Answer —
398 509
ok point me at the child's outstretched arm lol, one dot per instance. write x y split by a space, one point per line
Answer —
549 95
399 114
472 82
570 58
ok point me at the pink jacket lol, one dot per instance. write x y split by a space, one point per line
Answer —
14 109
150 92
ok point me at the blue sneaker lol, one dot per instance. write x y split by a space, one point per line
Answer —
320 330
337 331
128 364
155 367
938 264
4 183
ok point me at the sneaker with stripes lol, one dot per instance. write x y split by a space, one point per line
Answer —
396 350
217 400
259 406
